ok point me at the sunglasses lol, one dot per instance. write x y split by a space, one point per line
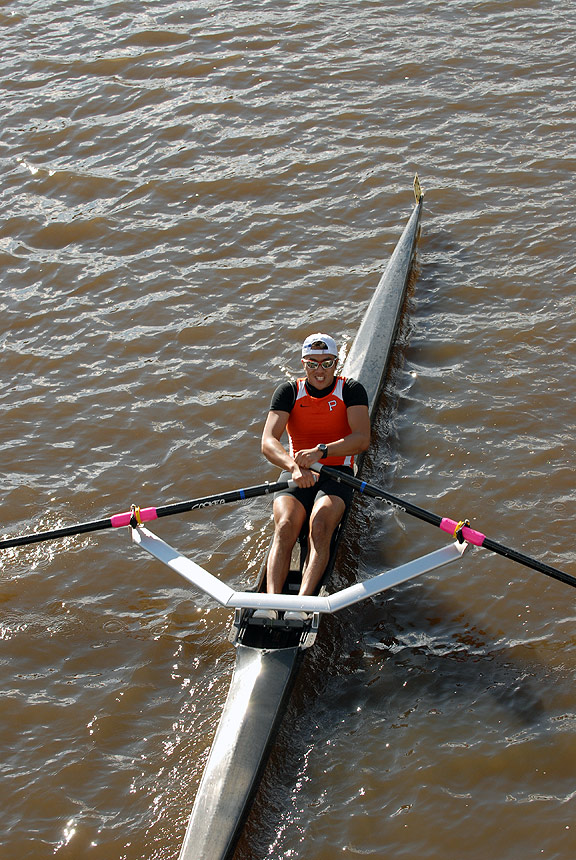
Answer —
314 365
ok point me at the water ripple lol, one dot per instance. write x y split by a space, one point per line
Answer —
186 191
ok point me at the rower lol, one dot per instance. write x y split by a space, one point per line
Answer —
326 419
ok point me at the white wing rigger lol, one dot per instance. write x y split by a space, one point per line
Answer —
226 596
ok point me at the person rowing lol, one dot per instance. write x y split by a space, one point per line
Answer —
326 418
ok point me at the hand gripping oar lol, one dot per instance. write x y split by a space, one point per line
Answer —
136 516
460 530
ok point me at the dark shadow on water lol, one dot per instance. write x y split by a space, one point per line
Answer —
382 646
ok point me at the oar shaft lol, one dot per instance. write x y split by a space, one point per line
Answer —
378 493
470 535
147 514
223 498
526 560
53 534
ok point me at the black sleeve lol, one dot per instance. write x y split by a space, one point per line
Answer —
354 393
284 398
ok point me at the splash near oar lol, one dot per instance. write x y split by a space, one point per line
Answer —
136 516
460 530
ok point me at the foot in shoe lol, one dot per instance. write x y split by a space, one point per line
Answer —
270 614
295 615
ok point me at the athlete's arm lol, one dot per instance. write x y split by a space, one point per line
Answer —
276 453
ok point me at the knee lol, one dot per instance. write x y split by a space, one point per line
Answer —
322 527
286 531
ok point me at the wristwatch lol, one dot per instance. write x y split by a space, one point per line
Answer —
323 450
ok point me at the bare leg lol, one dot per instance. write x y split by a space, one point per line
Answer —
289 517
325 516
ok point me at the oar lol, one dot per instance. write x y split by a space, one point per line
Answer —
460 530
136 516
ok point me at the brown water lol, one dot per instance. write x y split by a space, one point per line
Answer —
187 189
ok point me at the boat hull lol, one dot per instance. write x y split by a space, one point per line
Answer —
268 658
260 686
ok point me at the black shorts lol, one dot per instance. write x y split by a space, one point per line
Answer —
324 486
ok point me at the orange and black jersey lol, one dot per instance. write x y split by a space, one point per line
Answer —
284 398
318 415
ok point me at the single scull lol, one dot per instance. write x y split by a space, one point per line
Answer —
268 654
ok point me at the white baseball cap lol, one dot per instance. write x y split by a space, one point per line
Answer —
319 343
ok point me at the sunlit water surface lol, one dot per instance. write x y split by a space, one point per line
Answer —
187 190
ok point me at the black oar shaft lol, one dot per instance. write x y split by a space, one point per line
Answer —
53 534
147 514
442 522
378 493
221 499
526 560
